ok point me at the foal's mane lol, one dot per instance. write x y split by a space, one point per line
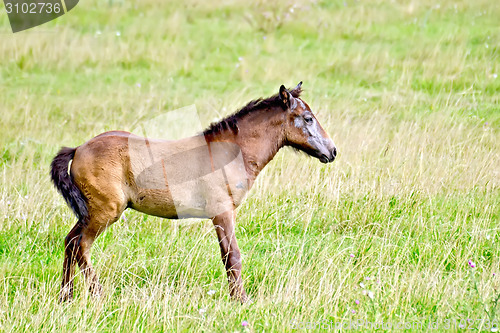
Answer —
231 121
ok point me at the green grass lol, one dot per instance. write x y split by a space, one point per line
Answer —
409 91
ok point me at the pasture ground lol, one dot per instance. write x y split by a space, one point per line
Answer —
408 90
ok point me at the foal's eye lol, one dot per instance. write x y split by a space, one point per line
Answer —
308 119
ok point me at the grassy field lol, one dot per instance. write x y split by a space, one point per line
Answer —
409 91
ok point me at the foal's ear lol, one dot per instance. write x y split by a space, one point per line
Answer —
285 96
295 92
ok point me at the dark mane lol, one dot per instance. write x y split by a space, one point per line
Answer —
231 121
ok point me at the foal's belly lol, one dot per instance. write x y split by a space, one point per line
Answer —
205 197
154 202
160 203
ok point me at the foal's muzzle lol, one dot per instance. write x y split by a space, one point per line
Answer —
327 159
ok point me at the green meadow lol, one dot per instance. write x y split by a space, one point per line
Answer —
408 90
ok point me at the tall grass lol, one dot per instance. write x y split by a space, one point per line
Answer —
409 92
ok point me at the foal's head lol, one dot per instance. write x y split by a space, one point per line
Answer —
302 129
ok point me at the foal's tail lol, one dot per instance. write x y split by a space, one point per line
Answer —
64 183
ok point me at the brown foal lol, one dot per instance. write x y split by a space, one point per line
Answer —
204 176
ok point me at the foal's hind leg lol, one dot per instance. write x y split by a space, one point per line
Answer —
88 237
78 244
70 248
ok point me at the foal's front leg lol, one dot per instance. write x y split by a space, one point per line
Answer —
231 257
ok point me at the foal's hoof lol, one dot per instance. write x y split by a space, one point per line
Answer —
247 301
243 299
65 295
96 290
65 299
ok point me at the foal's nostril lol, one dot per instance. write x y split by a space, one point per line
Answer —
334 152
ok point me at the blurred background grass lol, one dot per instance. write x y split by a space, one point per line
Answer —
408 91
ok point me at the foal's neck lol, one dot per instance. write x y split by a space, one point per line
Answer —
260 135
